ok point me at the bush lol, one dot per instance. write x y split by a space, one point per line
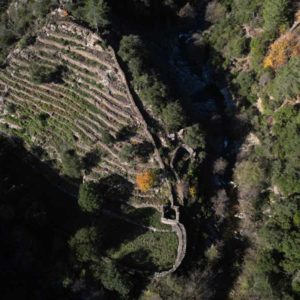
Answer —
152 91
40 74
26 41
220 166
71 164
194 137
244 11
83 244
141 151
285 85
107 138
173 116
146 180
89 197
127 152
257 52
97 13
91 159
275 14
235 47
131 47
146 82
244 83
282 50
249 177
11 108
126 133
112 279
214 11
43 119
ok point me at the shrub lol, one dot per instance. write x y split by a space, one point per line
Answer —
220 166
126 133
11 108
43 119
212 253
285 85
244 11
83 243
26 41
89 197
131 47
257 52
281 51
173 116
112 279
275 13
91 159
141 151
71 164
236 46
97 13
107 138
249 177
244 83
194 137
145 180
40 74
152 91
127 152
214 11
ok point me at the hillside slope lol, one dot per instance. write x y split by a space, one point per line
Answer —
89 102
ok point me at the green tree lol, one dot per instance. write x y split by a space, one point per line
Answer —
131 46
250 177
89 197
275 14
111 278
42 74
84 245
173 116
97 13
286 83
133 51
194 136
257 52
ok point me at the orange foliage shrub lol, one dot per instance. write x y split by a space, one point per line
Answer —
282 50
145 181
64 13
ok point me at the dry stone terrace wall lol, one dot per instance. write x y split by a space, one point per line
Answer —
93 98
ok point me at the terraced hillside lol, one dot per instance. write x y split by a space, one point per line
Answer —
66 93
92 100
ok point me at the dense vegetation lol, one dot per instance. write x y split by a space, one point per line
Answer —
265 79
234 167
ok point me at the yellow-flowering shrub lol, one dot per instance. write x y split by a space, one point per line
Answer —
282 50
193 191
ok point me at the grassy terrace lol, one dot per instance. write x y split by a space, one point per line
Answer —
76 111
137 247
90 99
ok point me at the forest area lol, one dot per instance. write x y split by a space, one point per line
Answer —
218 83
